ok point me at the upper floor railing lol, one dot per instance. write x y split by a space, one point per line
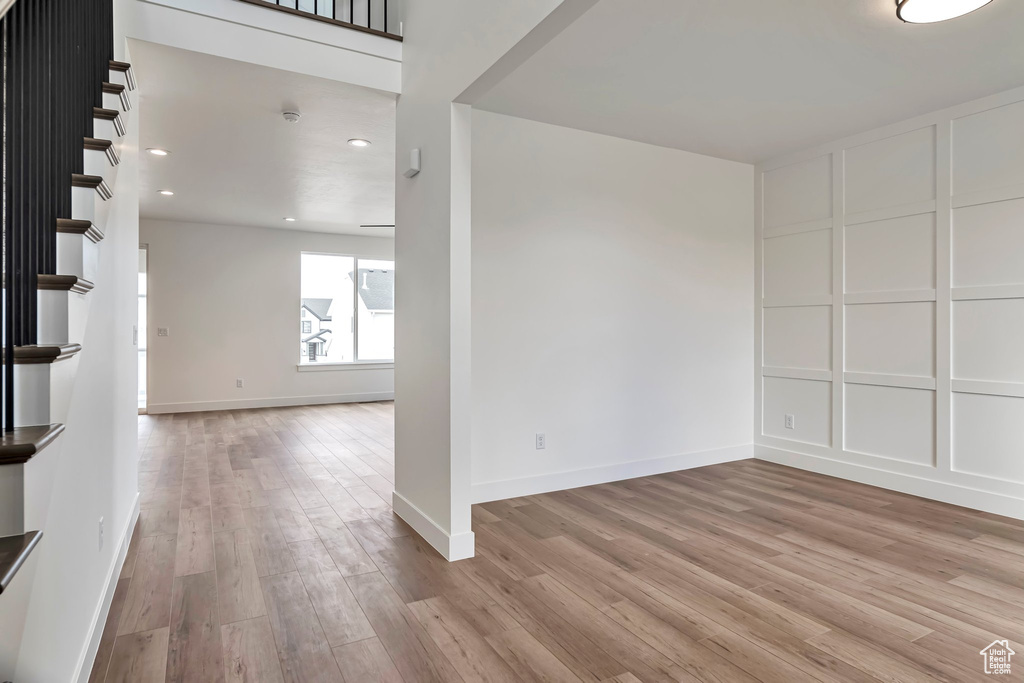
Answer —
379 17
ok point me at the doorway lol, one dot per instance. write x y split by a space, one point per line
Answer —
142 336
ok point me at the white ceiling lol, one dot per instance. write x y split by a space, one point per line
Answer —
234 160
750 79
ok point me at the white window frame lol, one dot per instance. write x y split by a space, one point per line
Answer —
305 365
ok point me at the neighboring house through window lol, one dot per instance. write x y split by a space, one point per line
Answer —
347 309
375 309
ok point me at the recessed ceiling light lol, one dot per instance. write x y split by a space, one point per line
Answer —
290 220
930 11
166 193
357 142
156 151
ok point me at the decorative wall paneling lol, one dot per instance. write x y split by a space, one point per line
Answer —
890 306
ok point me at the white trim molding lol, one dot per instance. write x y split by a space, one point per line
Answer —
988 388
988 196
988 292
99 619
797 228
904 296
905 291
946 492
890 212
286 401
527 486
798 301
798 373
358 365
452 547
881 380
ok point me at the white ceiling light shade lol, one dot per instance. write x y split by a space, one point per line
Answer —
166 193
358 142
289 219
156 151
930 11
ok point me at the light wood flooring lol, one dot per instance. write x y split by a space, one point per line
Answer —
267 551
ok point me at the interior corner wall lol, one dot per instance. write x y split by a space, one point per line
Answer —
448 45
229 297
612 308
890 302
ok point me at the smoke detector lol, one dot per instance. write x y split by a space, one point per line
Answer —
292 116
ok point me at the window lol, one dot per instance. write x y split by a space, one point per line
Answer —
347 310
375 303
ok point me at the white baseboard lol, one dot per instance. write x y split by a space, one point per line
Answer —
560 481
99 619
460 546
281 402
946 492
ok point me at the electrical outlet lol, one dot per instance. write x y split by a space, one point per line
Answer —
163 332
542 442
240 383
790 422
101 533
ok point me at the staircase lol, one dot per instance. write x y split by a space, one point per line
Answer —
66 106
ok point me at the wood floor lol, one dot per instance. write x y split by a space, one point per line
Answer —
267 551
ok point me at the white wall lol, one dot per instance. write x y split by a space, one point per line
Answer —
612 285
890 266
91 471
449 45
229 297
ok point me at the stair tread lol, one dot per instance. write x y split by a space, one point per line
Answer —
121 92
83 180
98 144
112 115
126 69
71 283
20 445
78 226
13 552
44 353
93 182
105 146
105 114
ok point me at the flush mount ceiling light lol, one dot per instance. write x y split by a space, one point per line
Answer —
166 193
290 219
357 142
930 11
156 151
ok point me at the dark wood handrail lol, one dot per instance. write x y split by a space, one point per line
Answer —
269 4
